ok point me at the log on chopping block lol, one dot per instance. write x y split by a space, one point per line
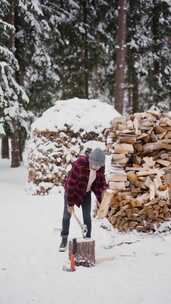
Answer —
84 252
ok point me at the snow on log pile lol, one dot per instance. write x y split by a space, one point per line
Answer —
140 179
60 135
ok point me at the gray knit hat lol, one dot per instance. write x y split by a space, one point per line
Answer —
97 158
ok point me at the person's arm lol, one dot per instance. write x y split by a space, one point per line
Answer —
70 209
100 186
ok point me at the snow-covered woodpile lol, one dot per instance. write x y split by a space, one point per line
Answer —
140 180
60 135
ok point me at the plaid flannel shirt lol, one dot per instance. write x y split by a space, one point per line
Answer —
77 180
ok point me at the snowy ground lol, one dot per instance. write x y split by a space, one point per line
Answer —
31 266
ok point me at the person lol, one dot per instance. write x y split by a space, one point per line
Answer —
87 174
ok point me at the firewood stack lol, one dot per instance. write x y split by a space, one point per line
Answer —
140 175
50 156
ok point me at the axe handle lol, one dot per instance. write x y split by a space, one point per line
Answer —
77 219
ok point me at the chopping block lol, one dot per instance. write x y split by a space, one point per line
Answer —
84 251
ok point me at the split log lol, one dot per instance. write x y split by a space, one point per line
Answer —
151 147
152 191
119 156
136 125
168 134
148 182
118 177
165 121
148 172
105 204
157 181
124 148
138 147
117 185
84 251
133 178
122 161
119 123
148 162
127 138
163 162
168 181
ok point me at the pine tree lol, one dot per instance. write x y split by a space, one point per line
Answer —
133 17
12 95
121 55
156 57
149 53
34 39
83 40
103 50
161 54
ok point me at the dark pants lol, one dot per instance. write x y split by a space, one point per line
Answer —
86 210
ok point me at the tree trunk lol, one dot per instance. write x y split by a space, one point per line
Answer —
130 81
4 147
133 103
85 52
22 140
15 148
135 97
156 63
22 70
12 22
120 55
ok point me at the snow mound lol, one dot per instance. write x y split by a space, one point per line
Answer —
87 114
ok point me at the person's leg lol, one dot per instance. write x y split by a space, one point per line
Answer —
86 209
66 219
65 226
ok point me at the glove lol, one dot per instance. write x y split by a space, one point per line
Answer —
70 209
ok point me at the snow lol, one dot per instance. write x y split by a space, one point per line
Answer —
136 270
90 115
2 132
7 25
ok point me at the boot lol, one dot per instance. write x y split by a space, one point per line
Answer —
63 244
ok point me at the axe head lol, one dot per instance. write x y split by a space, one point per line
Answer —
84 231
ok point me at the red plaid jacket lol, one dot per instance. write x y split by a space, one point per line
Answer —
77 180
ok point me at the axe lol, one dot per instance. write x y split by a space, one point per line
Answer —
82 226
